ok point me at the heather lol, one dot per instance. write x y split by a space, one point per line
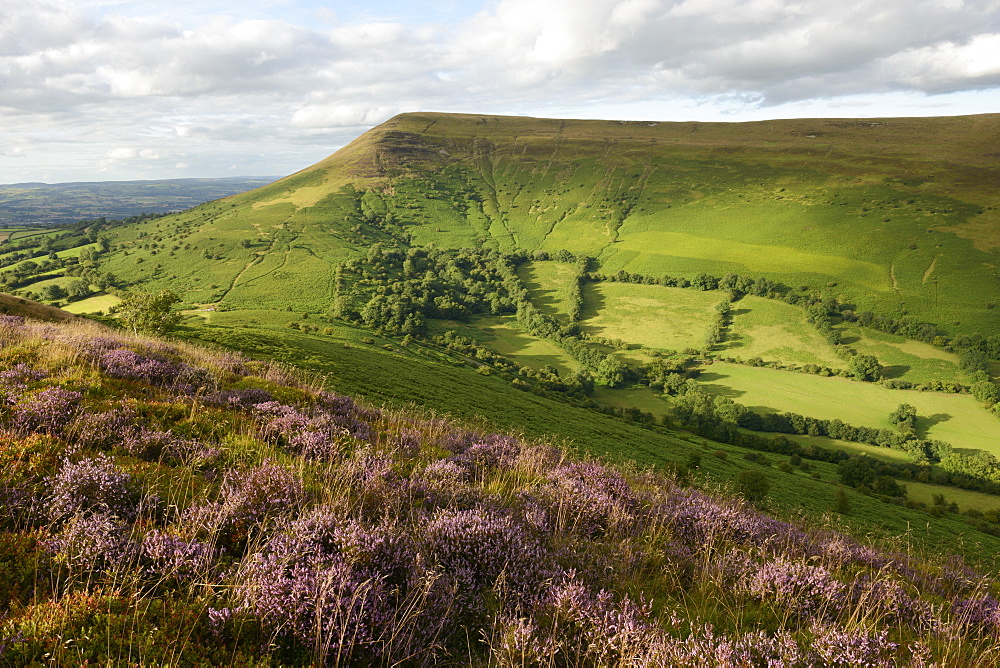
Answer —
170 505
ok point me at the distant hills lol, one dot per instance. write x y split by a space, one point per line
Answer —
65 203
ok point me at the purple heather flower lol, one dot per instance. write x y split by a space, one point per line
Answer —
92 486
46 411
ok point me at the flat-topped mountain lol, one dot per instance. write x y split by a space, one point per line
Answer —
898 215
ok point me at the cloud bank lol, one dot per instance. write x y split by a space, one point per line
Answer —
99 90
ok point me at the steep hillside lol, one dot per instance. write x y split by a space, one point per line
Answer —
163 504
896 215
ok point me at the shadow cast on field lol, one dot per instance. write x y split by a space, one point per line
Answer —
739 311
542 297
720 390
926 422
895 371
593 302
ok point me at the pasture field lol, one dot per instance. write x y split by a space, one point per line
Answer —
642 398
100 302
966 499
902 358
548 285
650 315
778 332
955 418
70 252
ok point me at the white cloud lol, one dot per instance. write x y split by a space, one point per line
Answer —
221 84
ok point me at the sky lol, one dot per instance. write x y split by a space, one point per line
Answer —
96 90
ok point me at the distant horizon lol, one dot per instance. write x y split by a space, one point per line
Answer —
239 177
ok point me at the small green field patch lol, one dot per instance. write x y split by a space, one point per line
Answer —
776 332
97 303
904 359
650 315
548 285
885 454
966 499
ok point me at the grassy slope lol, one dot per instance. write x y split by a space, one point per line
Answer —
881 209
403 376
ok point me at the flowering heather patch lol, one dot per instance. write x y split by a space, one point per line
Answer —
590 499
169 556
104 430
326 581
93 542
92 486
800 588
477 546
321 436
837 646
46 411
246 399
325 532
249 500
128 364
14 381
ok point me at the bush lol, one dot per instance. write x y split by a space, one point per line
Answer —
753 486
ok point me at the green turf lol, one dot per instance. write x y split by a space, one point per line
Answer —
902 358
548 285
966 499
885 454
955 418
650 315
98 303
776 332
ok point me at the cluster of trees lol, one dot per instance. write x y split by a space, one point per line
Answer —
394 290
716 333
736 284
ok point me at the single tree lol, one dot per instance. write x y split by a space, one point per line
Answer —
154 314
865 367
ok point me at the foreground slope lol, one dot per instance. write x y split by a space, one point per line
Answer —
895 215
163 504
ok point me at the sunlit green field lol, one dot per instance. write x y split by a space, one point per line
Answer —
885 454
776 331
902 358
966 499
548 284
955 418
98 303
650 315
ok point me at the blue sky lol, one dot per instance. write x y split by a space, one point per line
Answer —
100 90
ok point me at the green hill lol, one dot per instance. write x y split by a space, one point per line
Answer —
894 215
